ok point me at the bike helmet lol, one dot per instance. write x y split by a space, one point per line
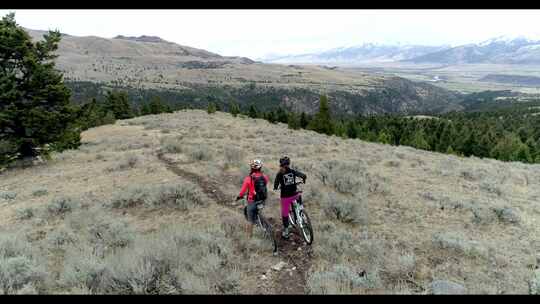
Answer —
284 161
256 164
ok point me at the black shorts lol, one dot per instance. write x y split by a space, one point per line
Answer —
250 211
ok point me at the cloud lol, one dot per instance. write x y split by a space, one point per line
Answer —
254 33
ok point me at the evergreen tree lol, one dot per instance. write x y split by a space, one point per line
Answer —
384 137
211 108
235 110
108 119
293 121
352 131
271 116
281 115
145 109
304 120
322 122
419 141
510 148
118 104
339 129
253 111
35 108
156 106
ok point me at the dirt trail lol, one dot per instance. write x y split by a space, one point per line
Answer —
293 252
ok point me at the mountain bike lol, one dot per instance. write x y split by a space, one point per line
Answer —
262 223
299 219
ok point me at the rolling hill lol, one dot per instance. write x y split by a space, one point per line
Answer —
146 206
195 77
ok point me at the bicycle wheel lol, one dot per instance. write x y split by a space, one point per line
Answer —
268 232
306 229
292 221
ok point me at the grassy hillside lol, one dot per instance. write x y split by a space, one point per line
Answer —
113 217
149 65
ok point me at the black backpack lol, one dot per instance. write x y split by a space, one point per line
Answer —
260 188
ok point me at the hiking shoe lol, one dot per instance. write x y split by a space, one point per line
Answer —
285 233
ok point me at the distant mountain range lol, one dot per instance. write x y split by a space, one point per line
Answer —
499 50
365 53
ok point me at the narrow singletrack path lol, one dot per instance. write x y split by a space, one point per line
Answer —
297 256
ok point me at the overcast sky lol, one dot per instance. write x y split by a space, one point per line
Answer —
256 33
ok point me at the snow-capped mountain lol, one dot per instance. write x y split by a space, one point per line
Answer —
367 52
501 50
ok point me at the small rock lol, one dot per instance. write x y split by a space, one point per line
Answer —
441 287
294 268
263 277
279 266
299 249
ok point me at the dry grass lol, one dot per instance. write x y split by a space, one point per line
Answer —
387 219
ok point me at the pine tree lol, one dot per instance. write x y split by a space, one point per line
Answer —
253 111
293 121
118 104
108 119
419 141
322 122
211 108
304 121
384 137
35 107
156 106
339 129
510 148
145 109
281 115
234 108
91 116
352 131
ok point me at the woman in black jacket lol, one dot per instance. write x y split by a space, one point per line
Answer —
286 178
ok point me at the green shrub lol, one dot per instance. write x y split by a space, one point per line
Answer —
19 267
341 279
172 145
182 196
60 206
129 162
61 237
8 195
25 214
346 210
40 192
177 260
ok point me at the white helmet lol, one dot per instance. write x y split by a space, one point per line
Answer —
256 164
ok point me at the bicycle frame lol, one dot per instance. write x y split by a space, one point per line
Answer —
297 208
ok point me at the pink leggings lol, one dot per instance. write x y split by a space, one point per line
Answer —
286 204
